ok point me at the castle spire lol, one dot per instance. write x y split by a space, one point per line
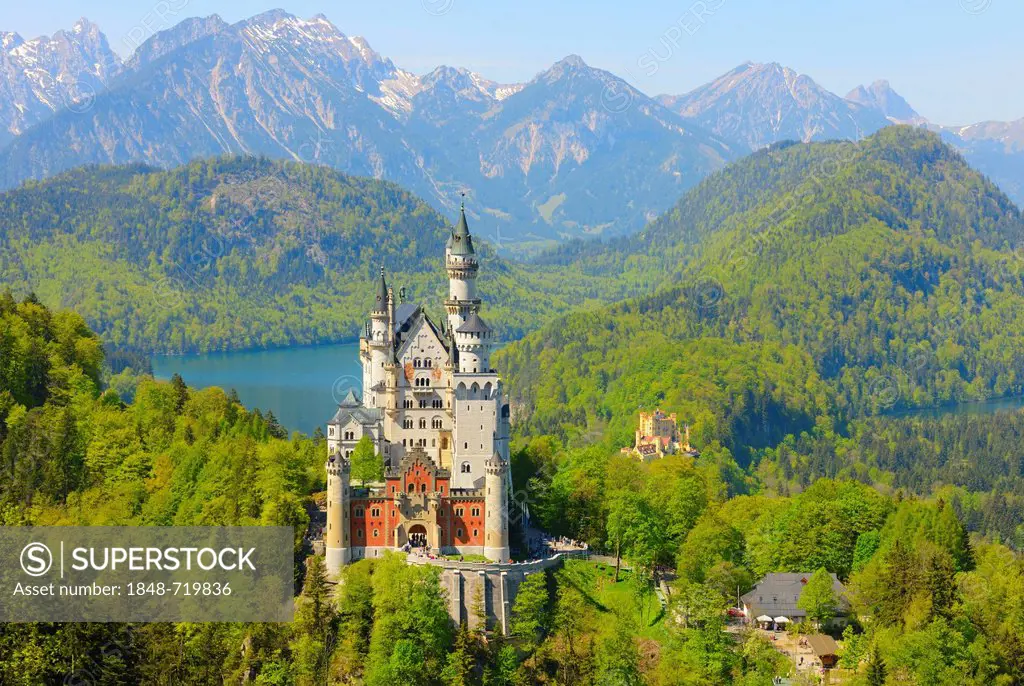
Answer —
381 303
461 242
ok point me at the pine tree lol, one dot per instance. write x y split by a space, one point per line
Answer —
876 671
180 392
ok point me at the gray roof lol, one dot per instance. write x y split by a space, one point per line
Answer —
350 400
777 594
473 324
460 242
381 301
363 415
403 313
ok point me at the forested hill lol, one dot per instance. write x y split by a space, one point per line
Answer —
240 252
889 265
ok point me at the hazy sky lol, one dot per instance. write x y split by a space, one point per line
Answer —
956 61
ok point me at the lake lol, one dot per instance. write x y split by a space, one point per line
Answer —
300 385
966 408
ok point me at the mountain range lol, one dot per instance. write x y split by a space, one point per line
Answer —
575 152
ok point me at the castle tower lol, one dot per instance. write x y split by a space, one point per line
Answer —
336 536
495 511
379 338
473 340
460 261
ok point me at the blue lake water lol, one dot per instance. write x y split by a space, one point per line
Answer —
301 385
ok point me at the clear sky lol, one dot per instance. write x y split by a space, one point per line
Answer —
956 61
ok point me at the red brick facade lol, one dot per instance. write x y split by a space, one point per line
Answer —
375 519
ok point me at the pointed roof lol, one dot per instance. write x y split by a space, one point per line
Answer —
381 302
460 242
473 324
350 400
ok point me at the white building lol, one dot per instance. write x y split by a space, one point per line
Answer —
430 388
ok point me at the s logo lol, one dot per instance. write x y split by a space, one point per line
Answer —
36 559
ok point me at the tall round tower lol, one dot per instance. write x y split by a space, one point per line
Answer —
462 266
473 340
379 340
336 538
495 512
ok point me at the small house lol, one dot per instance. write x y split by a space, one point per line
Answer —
772 603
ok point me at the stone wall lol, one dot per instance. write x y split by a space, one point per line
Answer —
488 589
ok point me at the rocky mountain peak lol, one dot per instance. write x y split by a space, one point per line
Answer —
881 97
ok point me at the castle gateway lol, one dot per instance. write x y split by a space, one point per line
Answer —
438 417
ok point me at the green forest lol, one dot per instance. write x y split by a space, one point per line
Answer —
937 603
241 252
795 310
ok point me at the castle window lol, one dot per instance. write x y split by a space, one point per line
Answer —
403 443
330 431
466 468
476 532
407 424
359 512
376 533
375 512
416 363
423 424
466 445
359 533
423 488
412 488
459 512
475 511
428 363
436 423
407 404
433 442
350 435
444 444
437 405
458 533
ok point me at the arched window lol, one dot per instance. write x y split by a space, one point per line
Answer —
423 488
466 468
423 423
436 423
416 363
407 424
359 512
428 363
412 488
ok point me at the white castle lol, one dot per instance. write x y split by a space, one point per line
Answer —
438 417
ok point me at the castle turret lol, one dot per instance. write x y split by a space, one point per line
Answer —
336 536
462 266
496 511
473 340
377 342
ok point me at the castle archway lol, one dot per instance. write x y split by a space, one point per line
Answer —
418 536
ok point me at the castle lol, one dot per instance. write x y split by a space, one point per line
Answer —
658 435
439 419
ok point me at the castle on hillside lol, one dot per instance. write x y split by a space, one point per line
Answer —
658 435
438 418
